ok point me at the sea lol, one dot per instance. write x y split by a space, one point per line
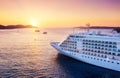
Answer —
25 53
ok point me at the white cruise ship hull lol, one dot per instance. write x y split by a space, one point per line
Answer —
102 62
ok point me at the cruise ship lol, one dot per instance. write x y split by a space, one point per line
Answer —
98 49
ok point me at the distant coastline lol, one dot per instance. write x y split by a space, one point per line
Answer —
15 26
30 26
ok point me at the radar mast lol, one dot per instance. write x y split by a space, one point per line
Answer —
88 27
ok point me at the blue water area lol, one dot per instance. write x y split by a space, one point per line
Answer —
25 53
77 69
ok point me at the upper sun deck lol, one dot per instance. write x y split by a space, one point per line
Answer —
113 37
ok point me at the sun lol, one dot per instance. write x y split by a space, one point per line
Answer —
34 23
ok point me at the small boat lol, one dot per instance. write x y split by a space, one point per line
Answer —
37 30
44 32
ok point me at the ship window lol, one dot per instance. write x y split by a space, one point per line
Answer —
105 52
101 55
98 55
106 49
95 41
118 63
114 43
95 44
98 47
71 36
106 45
110 46
95 54
98 51
102 45
92 50
114 47
77 36
109 49
118 55
106 42
105 56
112 62
113 53
102 41
110 42
102 51
99 41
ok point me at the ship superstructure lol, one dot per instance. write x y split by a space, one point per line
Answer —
94 48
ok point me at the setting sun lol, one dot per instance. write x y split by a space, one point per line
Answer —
34 23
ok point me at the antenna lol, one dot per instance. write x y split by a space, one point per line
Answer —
73 30
88 26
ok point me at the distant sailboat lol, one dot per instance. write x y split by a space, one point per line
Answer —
37 30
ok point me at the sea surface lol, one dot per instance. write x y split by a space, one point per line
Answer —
25 53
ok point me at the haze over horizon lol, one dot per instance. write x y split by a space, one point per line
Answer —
60 13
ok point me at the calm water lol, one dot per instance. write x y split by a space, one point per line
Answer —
28 54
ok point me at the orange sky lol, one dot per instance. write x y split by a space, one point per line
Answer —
60 13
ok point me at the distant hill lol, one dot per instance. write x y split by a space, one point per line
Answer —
15 26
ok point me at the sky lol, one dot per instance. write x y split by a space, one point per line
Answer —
60 13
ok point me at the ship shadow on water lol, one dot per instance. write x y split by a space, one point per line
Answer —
77 69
